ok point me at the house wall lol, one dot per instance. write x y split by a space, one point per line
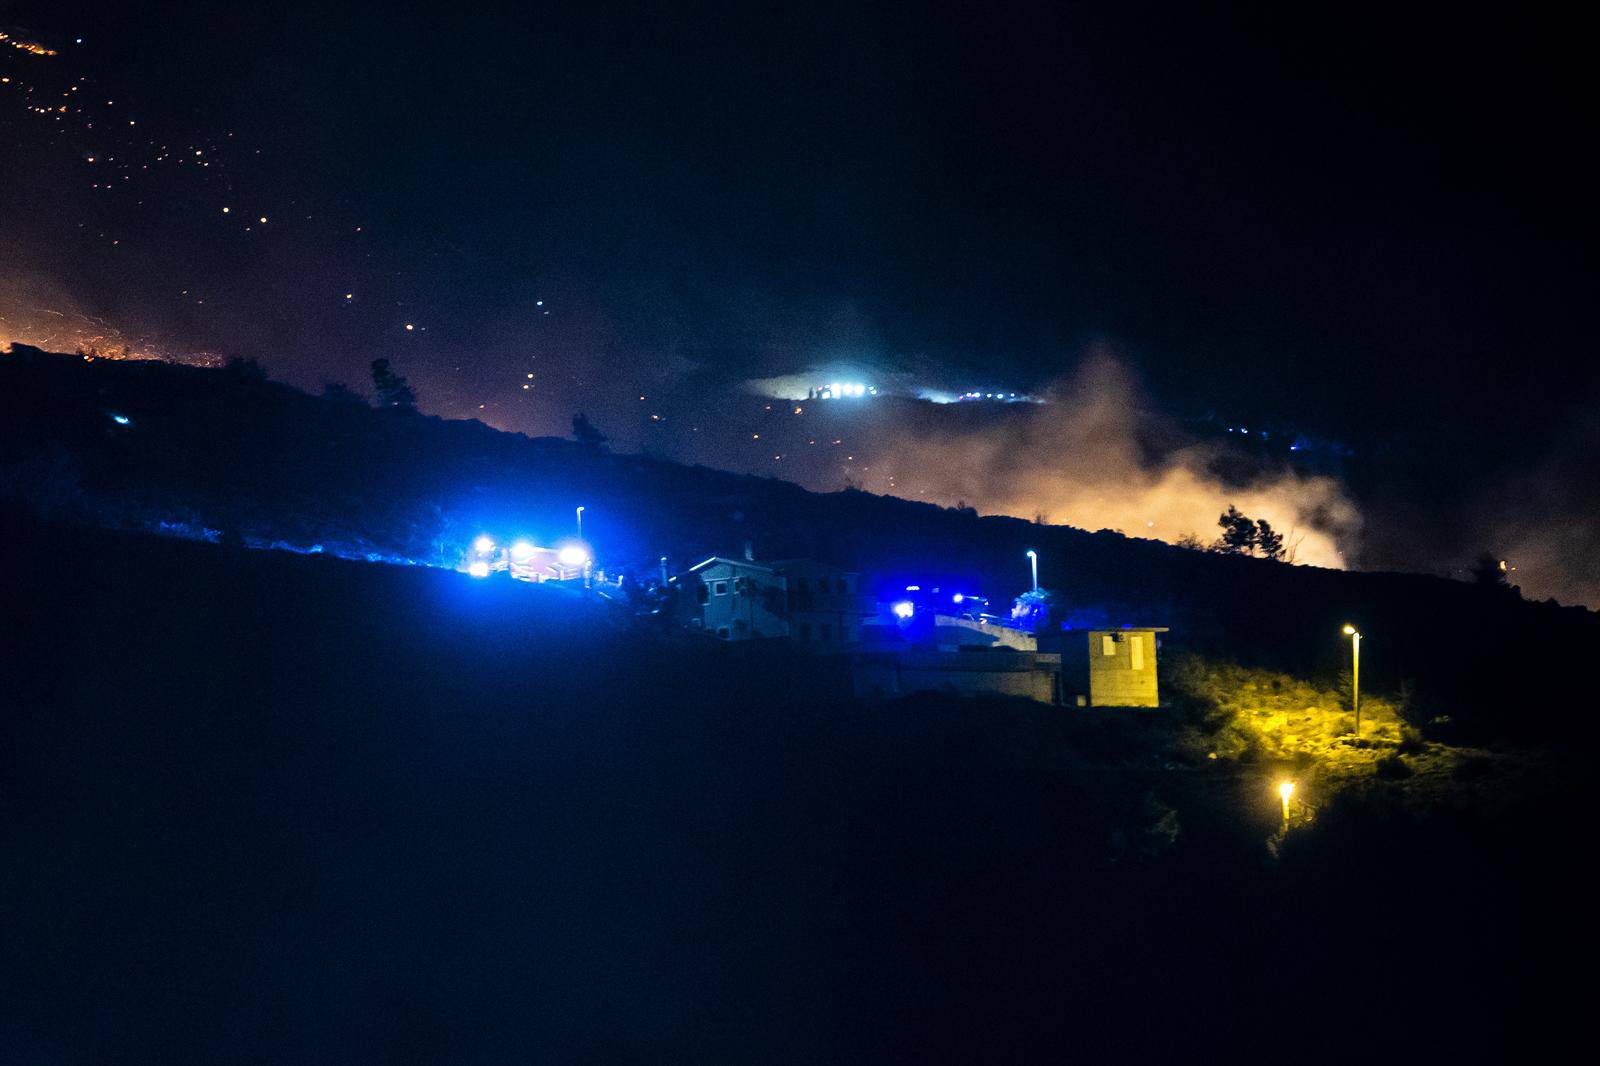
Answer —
824 602
750 605
1126 677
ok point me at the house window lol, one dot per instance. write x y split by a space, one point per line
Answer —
827 631
1108 644
701 595
720 588
805 630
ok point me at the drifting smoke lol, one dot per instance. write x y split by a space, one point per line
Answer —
37 313
1543 522
1092 457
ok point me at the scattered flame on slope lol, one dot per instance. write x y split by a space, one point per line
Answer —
22 44
86 335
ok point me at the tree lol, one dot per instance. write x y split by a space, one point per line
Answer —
245 369
1268 541
392 389
335 392
585 433
1238 533
1191 541
1489 572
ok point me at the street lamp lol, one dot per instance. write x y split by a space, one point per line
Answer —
1285 790
1355 673
1033 561
580 523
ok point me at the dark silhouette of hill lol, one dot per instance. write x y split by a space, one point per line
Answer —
233 453
262 806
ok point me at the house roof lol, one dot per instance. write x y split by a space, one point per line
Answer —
731 562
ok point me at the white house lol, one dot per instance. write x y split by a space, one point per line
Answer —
799 599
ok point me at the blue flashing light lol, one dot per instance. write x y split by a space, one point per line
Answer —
121 420
957 598
904 609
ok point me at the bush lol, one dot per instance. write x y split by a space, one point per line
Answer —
1392 768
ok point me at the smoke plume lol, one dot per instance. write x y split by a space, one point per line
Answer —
1093 456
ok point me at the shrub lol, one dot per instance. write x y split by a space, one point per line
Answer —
1392 768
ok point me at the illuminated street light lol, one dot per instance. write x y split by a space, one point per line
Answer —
483 545
1285 790
904 609
573 555
1355 673
521 551
479 569
1033 560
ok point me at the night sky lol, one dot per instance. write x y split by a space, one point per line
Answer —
1367 228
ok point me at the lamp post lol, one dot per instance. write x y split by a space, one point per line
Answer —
1355 674
1285 790
580 523
1033 561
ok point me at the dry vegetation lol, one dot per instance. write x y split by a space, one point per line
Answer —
1242 715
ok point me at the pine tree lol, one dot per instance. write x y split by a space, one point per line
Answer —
1268 541
1238 533
585 433
392 389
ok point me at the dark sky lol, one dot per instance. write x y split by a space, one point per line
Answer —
1372 225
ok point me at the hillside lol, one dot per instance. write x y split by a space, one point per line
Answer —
228 453
286 808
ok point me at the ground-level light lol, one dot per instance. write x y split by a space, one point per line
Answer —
522 551
478 569
573 555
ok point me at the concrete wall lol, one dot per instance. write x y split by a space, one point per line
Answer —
974 673
1001 636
